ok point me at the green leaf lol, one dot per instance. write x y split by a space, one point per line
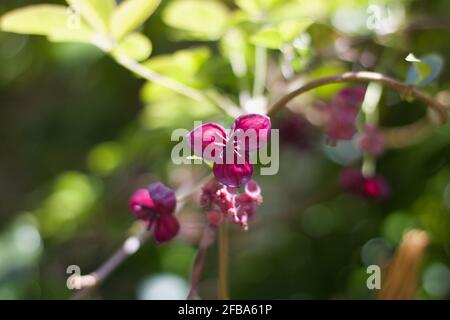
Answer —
203 20
130 15
96 12
135 46
174 111
268 38
183 66
423 69
53 21
291 29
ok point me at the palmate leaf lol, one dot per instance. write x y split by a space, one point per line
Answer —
203 20
54 21
97 13
130 15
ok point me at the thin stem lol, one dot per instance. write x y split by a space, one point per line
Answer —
172 84
223 262
260 71
132 244
151 75
208 236
364 76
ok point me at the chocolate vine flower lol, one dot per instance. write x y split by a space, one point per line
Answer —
352 180
371 141
230 152
222 201
343 111
156 205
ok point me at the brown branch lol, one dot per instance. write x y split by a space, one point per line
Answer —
209 234
364 77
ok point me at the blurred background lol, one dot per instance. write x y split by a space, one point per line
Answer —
79 133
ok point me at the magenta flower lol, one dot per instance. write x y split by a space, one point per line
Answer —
156 205
352 180
371 141
343 111
222 202
230 152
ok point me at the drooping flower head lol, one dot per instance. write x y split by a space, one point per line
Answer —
224 202
342 114
156 205
371 141
230 151
376 187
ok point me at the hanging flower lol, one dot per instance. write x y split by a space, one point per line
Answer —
230 152
223 202
156 206
376 187
342 114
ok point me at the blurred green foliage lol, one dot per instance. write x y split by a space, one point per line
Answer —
78 133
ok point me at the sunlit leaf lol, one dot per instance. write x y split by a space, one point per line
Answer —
291 29
268 38
96 12
204 20
424 70
54 21
135 46
131 14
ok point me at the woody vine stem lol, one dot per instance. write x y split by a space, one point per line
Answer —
87 282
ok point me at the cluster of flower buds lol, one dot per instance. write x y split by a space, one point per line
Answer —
156 205
342 114
376 187
222 202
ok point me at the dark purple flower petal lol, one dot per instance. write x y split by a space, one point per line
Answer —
255 128
233 175
141 203
166 228
163 197
208 140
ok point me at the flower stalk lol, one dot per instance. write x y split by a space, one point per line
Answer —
223 262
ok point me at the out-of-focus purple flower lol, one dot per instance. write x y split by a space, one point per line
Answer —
343 111
156 205
351 97
248 133
371 141
218 198
352 180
